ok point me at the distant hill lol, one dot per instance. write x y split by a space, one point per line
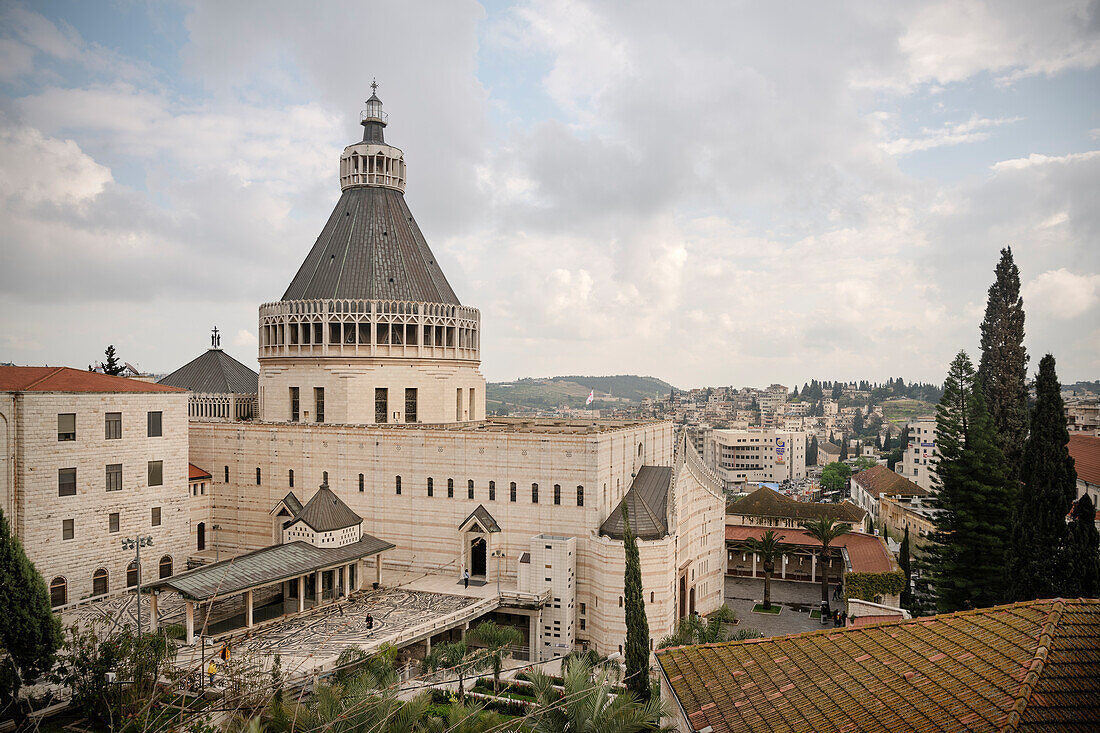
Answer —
572 391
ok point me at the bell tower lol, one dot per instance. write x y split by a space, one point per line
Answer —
369 330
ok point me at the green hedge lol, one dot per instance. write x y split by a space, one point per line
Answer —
866 586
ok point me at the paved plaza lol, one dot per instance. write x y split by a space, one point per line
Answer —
797 600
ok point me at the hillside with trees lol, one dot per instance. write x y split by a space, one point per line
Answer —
572 391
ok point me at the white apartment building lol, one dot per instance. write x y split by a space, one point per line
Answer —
88 460
919 460
751 456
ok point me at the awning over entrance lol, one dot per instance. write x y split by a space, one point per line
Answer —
482 519
265 567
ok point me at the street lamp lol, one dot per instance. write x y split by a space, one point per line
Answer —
498 554
136 543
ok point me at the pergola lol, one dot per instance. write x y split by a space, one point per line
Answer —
332 572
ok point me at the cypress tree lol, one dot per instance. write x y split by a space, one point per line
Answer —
1083 552
1002 371
29 631
1037 566
906 567
968 547
637 625
811 452
843 447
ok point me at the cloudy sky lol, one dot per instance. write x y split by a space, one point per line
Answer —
710 193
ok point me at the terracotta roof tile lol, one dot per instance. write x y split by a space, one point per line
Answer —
867 553
765 502
1085 450
66 379
195 473
880 480
1028 666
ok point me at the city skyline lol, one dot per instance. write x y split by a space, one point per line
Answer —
722 197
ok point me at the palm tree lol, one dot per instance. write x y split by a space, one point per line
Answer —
466 719
455 657
692 630
590 702
825 531
497 639
768 548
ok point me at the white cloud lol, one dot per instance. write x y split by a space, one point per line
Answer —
1062 294
956 133
1037 159
36 169
245 337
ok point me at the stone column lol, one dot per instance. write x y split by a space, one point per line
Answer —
189 622
318 590
301 593
428 646
378 569
754 564
783 571
533 634
813 567
152 611
248 608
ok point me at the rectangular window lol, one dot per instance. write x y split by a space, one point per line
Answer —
470 489
381 404
534 493
114 477
66 482
492 491
319 400
112 426
410 404
155 428
361 484
67 530
227 474
557 494
290 478
156 473
450 488
512 491
66 426
257 476
112 522
294 404
397 485
431 487
154 516
580 496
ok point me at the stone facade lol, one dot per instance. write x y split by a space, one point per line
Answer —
35 458
748 456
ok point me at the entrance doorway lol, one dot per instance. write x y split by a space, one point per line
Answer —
202 536
683 595
477 556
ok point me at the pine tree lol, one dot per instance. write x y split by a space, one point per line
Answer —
1002 371
1037 566
1083 552
637 625
906 567
112 365
967 551
29 631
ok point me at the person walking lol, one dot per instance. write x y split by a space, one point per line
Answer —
466 579
210 670
370 622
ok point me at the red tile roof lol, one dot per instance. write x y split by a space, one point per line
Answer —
66 379
867 553
194 473
880 480
868 620
1027 666
1085 450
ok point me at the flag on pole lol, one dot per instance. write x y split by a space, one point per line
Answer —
591 396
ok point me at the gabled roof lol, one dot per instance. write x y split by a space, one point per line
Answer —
326 512
647 504
881 481
194 473
1085 450
66 379
1027 666
765 502
484 519
866 552
214 372
829 447
371 248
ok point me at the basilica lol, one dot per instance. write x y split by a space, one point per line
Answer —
369 386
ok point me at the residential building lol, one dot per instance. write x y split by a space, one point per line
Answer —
899 512
1083 415
918 463
1027 666
1085 451
89 460
869 485
827 453
740 457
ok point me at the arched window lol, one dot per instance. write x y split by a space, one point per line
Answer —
227 474
397 484
557 493
620 601
450 488
166 566
99 582
59 592
639 450
492 491
512 491
200 531
580 496
431 486
534 493
361 484
470 489
290 477
132 574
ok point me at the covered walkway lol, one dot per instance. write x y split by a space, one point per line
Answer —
269 583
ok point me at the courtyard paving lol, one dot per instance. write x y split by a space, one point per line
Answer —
796 599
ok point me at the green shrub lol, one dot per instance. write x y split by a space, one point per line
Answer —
866 586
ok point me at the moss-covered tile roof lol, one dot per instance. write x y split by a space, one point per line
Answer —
1027 666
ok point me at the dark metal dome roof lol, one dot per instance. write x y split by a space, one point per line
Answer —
371 248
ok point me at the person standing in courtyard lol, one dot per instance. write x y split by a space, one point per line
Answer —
466 579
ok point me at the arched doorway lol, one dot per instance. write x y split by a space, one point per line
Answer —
477 556
202 536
